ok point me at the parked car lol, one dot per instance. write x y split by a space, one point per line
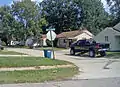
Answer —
92 47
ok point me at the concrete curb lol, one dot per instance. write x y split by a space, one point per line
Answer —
34 68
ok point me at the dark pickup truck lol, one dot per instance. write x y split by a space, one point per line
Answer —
92 47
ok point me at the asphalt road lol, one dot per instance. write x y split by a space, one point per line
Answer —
109 82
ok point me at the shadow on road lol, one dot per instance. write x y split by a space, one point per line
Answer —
83 55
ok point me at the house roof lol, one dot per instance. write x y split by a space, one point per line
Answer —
116 32
117 27
72 34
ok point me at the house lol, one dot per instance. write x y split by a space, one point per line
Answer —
66 38
110 35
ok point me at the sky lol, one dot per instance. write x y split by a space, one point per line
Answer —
5 2
8 2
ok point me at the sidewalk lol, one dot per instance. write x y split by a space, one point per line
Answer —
34 68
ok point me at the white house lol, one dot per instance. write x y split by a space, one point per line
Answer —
66 38
110 35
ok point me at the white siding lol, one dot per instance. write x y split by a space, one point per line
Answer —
88 33
100 38
117 43
83 36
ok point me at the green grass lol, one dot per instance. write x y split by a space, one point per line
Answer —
113 55
29 61
5 52
37 75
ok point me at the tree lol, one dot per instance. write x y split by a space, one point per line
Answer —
28 15
94 16
10 27
20 20
7 22
64 15
114 6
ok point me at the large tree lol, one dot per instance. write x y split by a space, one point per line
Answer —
114 6
6 22
94 16
20 20
73 14
27 13
62 14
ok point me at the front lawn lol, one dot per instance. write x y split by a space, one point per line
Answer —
37 76
113 55
5 52
29 61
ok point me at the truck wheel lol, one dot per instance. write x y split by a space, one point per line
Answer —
102 53
72 52
92 53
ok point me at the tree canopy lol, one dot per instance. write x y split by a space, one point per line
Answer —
28 14
62 14
95 18
114 6
21 19
73 14
27 18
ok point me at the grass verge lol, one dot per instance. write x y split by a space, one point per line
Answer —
115 55
29 61
37 75
5 52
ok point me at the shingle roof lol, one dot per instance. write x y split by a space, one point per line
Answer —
117 27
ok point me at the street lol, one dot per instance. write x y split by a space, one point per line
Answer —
109 82
92 72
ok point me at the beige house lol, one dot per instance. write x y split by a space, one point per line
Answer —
110 35
66 38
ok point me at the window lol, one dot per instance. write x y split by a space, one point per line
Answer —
65 41
106 38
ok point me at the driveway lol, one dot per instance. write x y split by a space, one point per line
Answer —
90 68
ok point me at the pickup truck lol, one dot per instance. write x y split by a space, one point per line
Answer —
92 47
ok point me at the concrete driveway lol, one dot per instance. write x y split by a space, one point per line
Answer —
90 68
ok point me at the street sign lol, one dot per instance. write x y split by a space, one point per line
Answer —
51 35
52 29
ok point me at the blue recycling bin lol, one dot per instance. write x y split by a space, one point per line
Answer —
47 53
